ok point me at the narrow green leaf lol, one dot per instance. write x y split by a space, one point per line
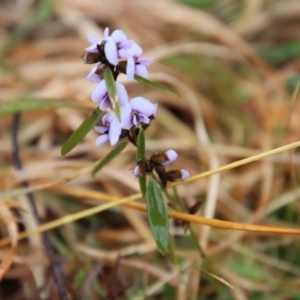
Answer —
110 83
35 104
110 156
155 84
140 156
142 183
157 216
140 153
78 135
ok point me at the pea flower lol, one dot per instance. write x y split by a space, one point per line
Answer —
100 95
122 45
93 76
95 42
135 65
110 130
137 111
115 46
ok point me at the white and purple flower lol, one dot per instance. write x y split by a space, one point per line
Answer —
135 65
137 111
100 95
110 130
115 46
93 48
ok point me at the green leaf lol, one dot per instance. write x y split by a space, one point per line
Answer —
35 104
140 153
78 135
140 156
110 156
155 84
142 183
110 83
157 216
42 12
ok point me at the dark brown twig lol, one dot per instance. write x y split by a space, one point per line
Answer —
56 270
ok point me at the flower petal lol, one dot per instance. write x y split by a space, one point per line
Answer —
114 131
92 39
184 174
146 61
105 103
108 118
93 77
118 36
122 94
143 106
111 52
126 44
92 49
101 140
100 129
126 119
136 171
141 70
135 51
123 53
106 33
172 155
143 119
99 93
130 68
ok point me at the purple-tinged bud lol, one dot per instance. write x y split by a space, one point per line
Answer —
91 57
184 174
143 167
136 171
171 156
163 158
176 175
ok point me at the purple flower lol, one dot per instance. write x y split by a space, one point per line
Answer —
110 130
137 111
93 76
171 156
135 65
94 41
117 46
100 95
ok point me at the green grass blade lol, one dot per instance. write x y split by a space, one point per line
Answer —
155 85
78 135
110 156
35 104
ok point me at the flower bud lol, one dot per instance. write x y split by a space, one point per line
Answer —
176 175
142 168
91 57
163 158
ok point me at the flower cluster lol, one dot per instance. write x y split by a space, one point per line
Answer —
120 55
124 117
158 162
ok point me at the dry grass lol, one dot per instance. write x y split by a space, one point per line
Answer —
236 67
